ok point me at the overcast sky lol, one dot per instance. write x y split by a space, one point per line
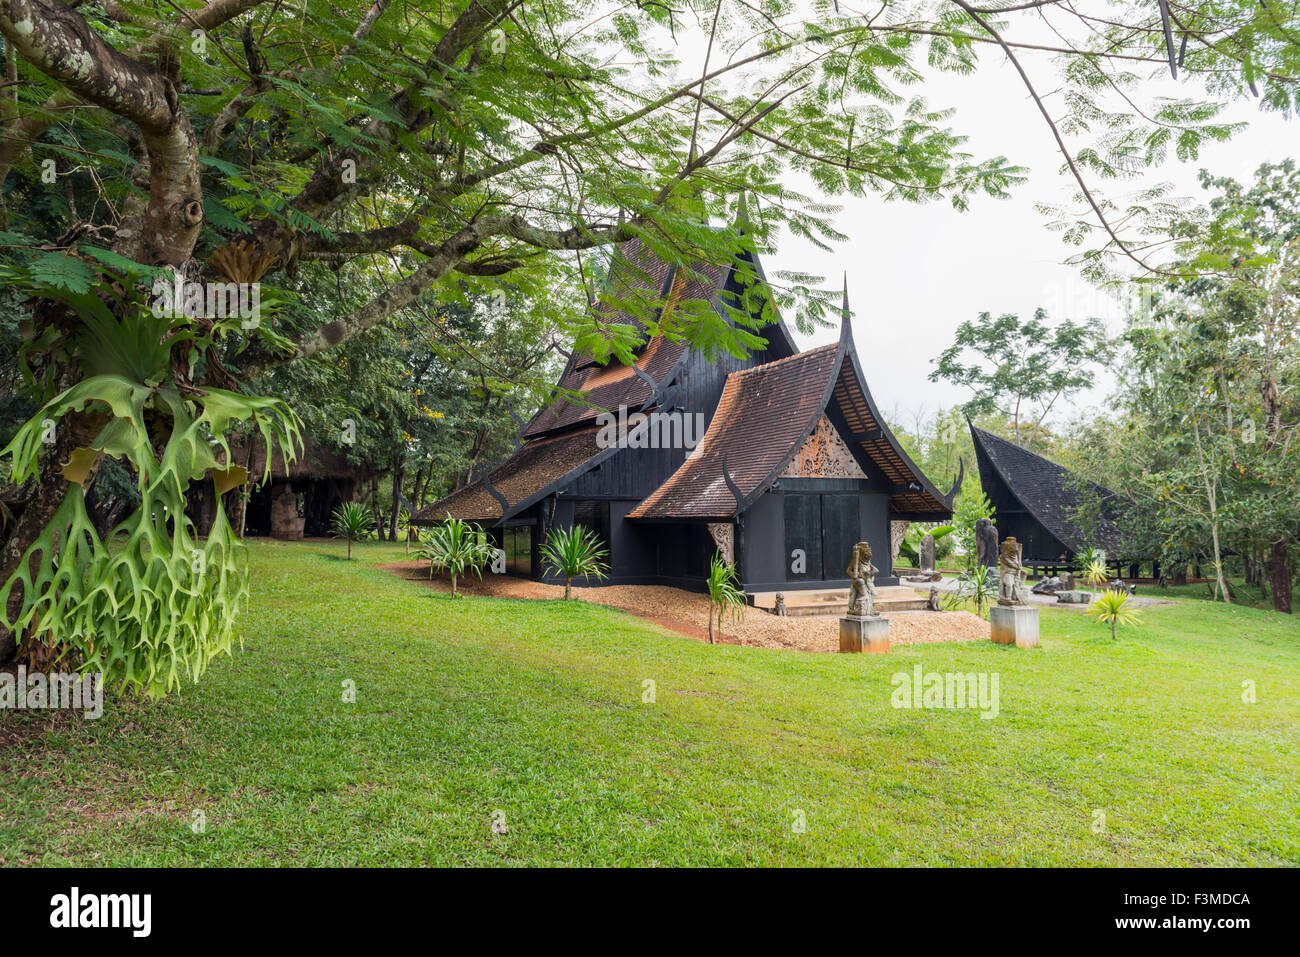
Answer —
916 271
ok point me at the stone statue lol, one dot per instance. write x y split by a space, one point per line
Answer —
862 594
986 543
927 553
932 603
780 605
1011 573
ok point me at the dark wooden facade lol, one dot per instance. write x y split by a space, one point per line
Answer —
1038 502
795 464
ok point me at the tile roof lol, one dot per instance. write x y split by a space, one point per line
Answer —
532 469
1050 493
762 419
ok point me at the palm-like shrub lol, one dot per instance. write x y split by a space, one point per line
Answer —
1094 573
725 593
407 529
456 547
352 521
1090 566
1111 607
978 584
574 551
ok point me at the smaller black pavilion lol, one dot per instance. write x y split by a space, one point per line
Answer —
1039 503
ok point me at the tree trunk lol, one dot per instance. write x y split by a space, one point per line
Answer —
397 497
1281 578
568 588
710 623
349 548
374 507
453 584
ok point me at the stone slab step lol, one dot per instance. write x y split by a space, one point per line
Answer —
883 605
796 598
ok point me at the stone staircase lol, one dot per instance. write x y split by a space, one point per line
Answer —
836 602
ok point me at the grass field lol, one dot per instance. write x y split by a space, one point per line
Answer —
532 714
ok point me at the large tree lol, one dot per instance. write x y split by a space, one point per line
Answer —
1021 369
437 148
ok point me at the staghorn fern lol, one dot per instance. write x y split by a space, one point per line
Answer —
163 604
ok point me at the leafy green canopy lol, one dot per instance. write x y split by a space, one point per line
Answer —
1022 368
445 146
1206 431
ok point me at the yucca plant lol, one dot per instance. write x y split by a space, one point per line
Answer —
456 547
573 551
1111 607
352 521
725 593
978 584
1095 573
407 529
1090 566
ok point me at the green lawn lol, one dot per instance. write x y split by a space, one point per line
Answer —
471 707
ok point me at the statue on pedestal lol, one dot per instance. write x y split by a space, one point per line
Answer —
862 594
1011 573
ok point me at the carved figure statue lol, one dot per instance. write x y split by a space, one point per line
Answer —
780 605
862 574
1011 573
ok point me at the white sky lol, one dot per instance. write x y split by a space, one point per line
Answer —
916 271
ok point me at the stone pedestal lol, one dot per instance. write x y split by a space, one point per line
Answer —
1014 625
1071 597
867 635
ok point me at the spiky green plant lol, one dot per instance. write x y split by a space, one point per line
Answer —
572 552
352 521
978 584
407 529
725 593
1094 573
455 547
1111 607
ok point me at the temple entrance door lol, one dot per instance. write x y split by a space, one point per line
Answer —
803 538
840 532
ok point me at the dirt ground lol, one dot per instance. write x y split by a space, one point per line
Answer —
687 613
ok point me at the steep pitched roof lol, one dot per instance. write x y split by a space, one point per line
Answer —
636 273
1050 493
763 419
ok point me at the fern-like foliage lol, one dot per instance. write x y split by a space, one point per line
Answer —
160 604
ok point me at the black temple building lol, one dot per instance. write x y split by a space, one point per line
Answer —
780 460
